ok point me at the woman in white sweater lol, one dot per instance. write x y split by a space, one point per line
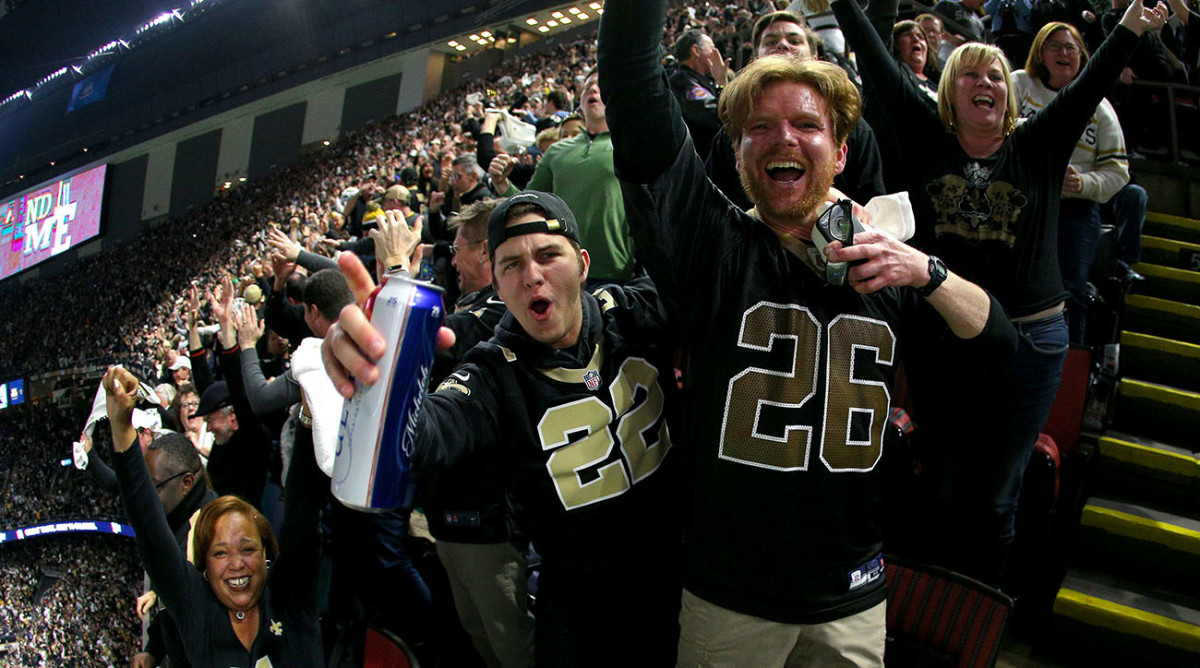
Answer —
1099 166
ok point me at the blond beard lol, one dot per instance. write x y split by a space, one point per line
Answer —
820 182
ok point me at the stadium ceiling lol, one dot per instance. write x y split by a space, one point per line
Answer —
509 33
174 62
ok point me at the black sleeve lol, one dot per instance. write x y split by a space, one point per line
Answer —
721 167
175 580
313 263
470 328
155 645
266 397
461 416
647 128
202 375
862 179
1062 121
231 368
520 175
285 319
104 475
294 576
485 149
908 107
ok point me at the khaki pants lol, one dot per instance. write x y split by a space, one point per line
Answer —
488 584
714 637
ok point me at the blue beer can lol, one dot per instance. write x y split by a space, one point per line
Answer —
373 460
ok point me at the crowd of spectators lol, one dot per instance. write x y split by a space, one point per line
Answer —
126 305
85 618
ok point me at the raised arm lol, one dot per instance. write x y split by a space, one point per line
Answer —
1066 116
647 126
912 113
886 262
175 580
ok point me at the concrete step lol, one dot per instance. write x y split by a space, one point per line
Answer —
1180 285
1172 227
1162 548
1162 317
1160 412
1158 360
1171 253
1135 468
1110 621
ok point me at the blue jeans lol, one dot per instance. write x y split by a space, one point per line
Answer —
976 451
1127 210
1078 234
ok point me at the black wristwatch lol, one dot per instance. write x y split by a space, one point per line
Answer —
937 275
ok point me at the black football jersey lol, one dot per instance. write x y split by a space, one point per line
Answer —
586 449
785 405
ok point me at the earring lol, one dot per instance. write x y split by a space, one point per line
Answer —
204 575
268 565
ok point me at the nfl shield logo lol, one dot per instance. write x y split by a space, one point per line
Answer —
592 379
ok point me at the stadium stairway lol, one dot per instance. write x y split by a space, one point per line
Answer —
1131 595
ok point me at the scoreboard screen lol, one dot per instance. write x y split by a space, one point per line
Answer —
45 221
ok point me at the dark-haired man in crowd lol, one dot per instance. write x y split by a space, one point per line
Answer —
569 400
183 490
697 82
555 107
787 368
580 171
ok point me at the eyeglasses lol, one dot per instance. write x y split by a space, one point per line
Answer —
190 404
1065 47
456 249
159 485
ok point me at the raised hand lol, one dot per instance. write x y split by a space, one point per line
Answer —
395 241
1139 19
353 344
283 244
499 169
249 327
121 389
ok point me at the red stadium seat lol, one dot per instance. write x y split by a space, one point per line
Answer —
943 614
385 649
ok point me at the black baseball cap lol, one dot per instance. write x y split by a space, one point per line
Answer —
559 219
215 397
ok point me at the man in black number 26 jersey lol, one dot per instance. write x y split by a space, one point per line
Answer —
786 393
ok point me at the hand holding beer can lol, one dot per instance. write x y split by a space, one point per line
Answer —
373 460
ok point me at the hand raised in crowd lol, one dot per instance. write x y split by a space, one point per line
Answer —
145 603
193 308
249 327
437 198
283 244
352 345
281 268
1139 19
719 66
395 241
501 167
222 309
86 440
121 388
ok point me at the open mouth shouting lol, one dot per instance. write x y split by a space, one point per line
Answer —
785 171
539 308
239 584
984 101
